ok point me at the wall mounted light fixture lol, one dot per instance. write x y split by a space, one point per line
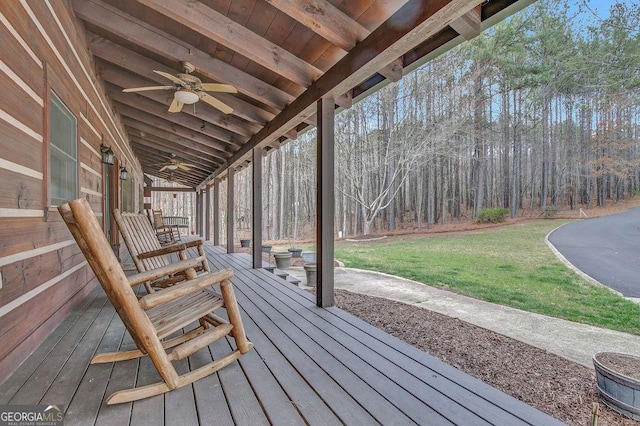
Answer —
124 174
108 157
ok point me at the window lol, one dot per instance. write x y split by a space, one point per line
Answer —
128 195
63 169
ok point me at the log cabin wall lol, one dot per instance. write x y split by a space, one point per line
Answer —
42 272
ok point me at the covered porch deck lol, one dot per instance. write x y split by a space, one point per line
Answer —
310 365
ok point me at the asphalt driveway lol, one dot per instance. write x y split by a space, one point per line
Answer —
606 248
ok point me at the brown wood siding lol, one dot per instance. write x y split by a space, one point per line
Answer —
18 324
18 235
28 274
17 187
19 104
43 272
20 148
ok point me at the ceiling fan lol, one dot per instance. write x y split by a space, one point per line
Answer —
173 163
189 89
172 179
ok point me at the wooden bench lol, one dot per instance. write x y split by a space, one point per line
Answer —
182 222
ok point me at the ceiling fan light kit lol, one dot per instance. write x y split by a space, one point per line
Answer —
186 97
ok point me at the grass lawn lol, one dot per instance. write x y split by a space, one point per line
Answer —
509 265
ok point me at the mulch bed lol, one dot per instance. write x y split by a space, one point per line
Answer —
552 384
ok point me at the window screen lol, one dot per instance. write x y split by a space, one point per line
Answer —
63 170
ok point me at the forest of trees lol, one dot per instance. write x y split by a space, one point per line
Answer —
539 112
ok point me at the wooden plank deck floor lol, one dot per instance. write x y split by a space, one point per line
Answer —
309 366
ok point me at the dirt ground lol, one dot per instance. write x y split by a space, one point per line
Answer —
552 384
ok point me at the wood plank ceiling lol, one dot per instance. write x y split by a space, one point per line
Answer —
281 56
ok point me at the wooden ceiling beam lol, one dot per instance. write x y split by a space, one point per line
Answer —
155 156
152 147
189 177
387 43
202 110
215 26
345 100
140 128
226 140
469 24
191 146
113 20
183 178
394 70
171 189
390 41
153 160
324 19
143 66
331 23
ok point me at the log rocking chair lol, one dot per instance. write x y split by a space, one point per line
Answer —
148 253
167 234
155 317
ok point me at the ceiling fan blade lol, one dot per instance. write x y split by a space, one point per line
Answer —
144 89
184 167
171 77
163 168
216 87
176 106
215 103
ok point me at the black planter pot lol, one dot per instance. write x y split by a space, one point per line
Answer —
245 243
295 252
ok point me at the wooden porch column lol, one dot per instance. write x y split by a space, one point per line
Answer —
230 189
216 212
325 202
203 215
207 214
197 218
256 227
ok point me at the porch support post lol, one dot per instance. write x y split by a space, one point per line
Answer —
325 202
230 200
256 227
203 211
197 218
216 212
207 214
